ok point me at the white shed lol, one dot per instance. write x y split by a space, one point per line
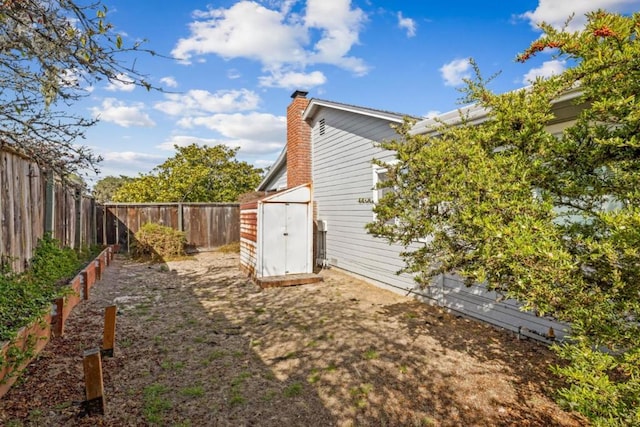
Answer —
276 242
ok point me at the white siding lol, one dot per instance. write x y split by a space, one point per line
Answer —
342 174
276 182
280 180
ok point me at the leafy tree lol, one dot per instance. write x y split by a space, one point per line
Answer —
552 221
51 52
195 174
104 189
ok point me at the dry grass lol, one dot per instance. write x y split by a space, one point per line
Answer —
198 344
231 248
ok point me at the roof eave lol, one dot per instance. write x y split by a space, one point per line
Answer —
316 104
277 166
475 114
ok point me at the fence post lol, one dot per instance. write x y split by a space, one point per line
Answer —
105 240
128 230
180 218
78 231
50 194
94 222
94 387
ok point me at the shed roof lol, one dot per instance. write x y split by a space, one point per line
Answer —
299 194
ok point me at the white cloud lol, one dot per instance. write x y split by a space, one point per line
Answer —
247 30
199 102
128 163
233 74
258 126
124 115
169 81
262 163
340 26
250 146
455 71
121 83
407 24
184 140
294 80
547 69
254 133
432 113
278 38
556 12
247 146
130 157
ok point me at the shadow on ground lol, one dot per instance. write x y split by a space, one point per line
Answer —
198 344
375 358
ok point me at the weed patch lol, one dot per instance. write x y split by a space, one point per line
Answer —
371 354
236 397
194 391
155 403
293 390
360 394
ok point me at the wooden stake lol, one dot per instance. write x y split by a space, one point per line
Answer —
94 387
109 338
85 283
58 329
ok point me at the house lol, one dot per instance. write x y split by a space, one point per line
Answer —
331 145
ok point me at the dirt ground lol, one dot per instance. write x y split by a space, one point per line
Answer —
200 345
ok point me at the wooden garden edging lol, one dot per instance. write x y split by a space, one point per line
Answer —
16 354
19 352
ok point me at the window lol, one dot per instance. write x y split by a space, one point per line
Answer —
380 175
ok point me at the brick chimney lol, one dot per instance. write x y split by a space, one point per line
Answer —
298 142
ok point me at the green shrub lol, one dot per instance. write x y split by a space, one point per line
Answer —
158 243
88 252
24 297
605 387
52 263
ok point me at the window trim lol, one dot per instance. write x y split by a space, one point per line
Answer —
376 170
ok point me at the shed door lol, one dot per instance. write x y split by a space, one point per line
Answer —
284 239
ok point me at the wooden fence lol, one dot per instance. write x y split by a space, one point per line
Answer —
33 202
74 222
206 225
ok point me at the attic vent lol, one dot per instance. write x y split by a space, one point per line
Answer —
322 129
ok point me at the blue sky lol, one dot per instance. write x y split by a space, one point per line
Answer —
239 62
